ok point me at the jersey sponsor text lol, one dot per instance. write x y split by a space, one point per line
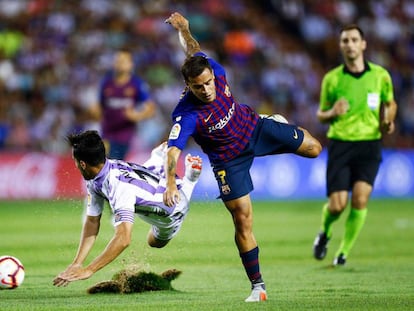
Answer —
223 122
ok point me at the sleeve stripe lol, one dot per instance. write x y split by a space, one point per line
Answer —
124 215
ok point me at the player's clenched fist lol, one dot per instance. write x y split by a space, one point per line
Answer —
177 21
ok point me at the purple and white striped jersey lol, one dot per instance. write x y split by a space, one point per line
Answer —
222 128
129 188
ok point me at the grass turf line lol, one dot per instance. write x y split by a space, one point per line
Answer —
378 275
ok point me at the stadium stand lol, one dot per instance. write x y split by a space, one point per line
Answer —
53 53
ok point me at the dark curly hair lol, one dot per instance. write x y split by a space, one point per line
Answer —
194 66
88 147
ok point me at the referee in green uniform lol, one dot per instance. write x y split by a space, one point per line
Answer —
358 103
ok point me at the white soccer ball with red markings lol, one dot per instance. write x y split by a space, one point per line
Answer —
11 272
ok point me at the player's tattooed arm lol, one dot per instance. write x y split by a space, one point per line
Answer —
179 22
171 194
172 167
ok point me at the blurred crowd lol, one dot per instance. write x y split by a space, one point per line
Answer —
54 53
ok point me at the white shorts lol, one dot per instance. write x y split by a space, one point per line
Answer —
166 227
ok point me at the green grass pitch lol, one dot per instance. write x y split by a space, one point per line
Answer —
379 274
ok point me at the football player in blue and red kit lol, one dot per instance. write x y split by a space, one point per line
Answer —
124 101
232 135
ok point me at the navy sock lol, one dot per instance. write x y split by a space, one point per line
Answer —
250 262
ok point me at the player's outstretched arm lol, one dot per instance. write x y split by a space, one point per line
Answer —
115 247
179 22
90 231
119 242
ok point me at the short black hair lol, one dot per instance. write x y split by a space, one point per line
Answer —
88 147
352 27
126 50
194 66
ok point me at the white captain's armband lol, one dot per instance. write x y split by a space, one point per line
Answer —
175 131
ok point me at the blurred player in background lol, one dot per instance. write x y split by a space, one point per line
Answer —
232 135
124 100
130 189
352 98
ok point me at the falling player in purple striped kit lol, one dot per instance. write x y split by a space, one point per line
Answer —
232 135
130 189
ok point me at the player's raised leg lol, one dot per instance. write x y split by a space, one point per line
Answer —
310 146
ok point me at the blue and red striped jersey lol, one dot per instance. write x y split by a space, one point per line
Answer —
222 128
114 99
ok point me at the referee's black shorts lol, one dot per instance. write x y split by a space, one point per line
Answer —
349 162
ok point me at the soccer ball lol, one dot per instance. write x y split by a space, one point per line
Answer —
275 117
11 272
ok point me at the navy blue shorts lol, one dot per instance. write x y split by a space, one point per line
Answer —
117 150
269 137
349 162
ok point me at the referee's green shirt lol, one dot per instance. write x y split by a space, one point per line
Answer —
365 93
